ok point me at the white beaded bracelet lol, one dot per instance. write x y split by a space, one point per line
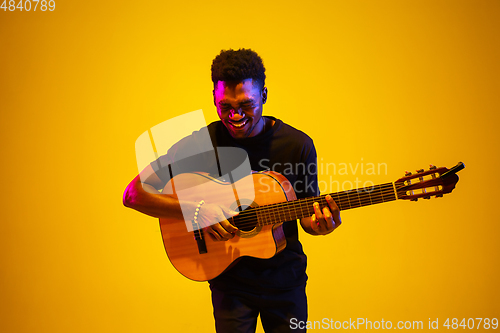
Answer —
198 210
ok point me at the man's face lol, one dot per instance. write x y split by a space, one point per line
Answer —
239 106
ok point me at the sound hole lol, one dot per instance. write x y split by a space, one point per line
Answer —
247 219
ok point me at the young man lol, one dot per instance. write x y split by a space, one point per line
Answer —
275 287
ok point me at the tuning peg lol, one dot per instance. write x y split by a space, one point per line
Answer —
427 197
416 199
408 173
420 170
439 195
432 167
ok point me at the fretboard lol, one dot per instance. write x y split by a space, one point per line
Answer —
297 209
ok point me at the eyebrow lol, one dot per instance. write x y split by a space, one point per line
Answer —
246 101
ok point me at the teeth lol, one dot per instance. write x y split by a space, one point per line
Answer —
239 124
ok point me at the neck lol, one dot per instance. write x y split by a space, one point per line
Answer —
298 209
268 123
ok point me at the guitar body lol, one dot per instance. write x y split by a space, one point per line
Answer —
265 241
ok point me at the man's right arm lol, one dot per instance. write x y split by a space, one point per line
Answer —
142 194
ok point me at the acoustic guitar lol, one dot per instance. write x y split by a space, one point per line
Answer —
265 200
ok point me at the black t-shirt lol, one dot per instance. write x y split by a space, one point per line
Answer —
283 149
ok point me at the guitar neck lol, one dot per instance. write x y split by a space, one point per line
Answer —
301 208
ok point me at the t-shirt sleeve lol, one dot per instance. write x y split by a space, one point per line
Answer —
193 153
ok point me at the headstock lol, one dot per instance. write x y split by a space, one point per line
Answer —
424 184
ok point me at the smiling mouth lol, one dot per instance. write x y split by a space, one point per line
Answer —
238 124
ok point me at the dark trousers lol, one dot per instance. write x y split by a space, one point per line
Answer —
237 311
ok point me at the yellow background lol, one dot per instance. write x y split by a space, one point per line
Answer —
406 83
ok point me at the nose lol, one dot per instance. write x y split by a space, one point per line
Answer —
236 114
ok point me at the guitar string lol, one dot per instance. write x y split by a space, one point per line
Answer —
274 213
340 197
361 200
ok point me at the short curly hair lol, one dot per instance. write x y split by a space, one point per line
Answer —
231 65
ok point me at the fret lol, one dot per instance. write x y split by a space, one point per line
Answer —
273 215
258 213
365 198
301 211
381 193
298 209
354 196
267 217
359 198
261 216
284 211
370 196
336 198
282 214
276 215
305 206
296 215
348 201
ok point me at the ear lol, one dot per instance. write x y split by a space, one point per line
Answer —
213 93
264 95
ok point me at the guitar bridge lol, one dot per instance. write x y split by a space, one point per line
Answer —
200 241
